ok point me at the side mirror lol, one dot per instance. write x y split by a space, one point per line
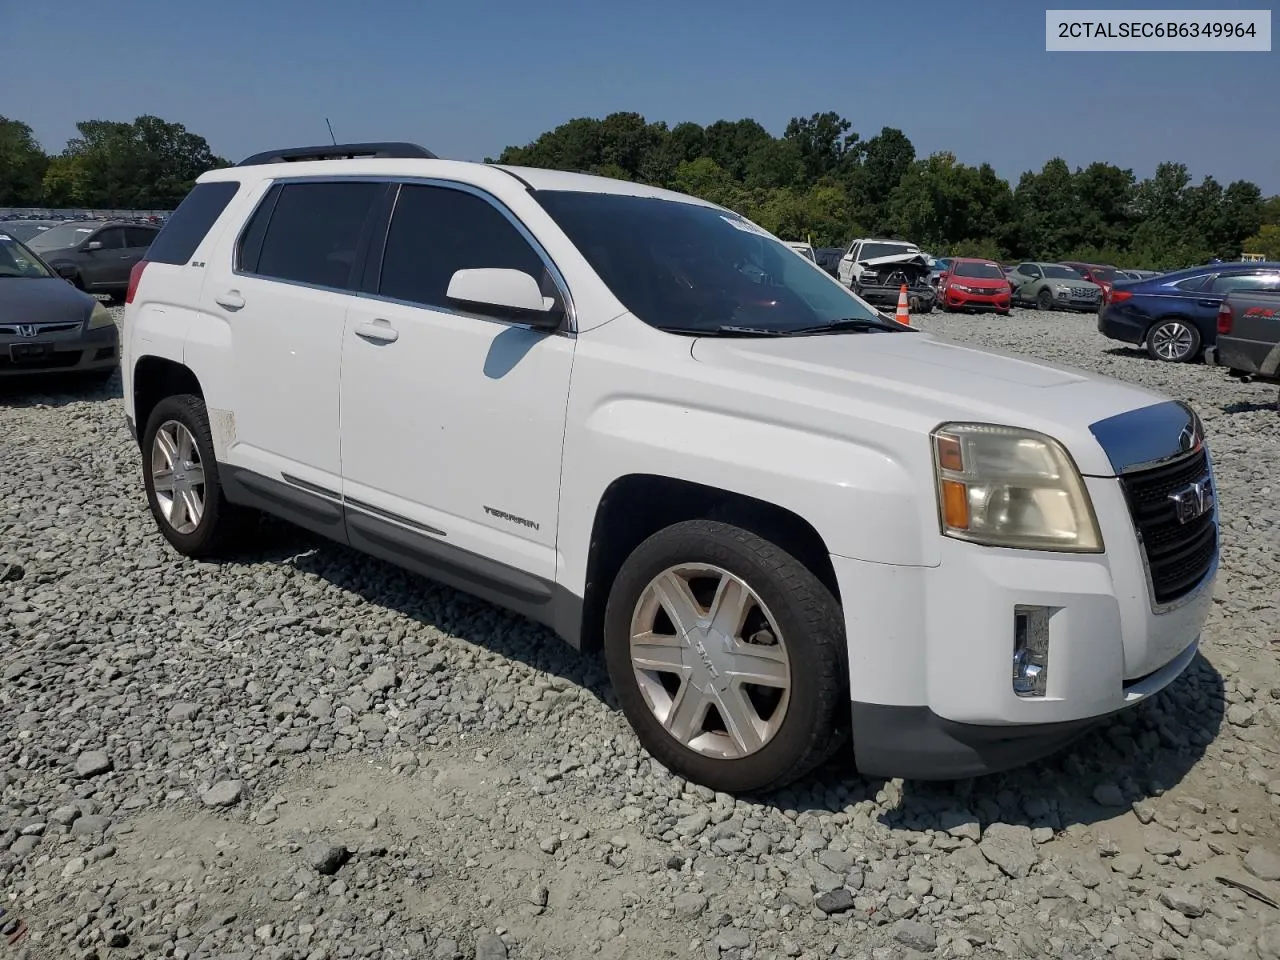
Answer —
510 294
66 271
93 245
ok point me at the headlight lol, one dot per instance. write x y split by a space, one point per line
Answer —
100 317
1007 487
962 288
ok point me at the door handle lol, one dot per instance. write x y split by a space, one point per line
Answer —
380 331
231 300
1208 303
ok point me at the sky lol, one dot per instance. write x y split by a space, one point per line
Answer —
466 79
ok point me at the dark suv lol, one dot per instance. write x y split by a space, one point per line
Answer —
95 255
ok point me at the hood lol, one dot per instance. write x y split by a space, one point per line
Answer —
48 300
984 283
917 381
915 259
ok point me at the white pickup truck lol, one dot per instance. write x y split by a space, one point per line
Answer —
638 418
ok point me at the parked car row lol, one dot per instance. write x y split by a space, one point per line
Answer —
95 255
1174 316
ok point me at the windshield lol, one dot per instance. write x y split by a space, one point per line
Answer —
1055 272
17 261
63 235
24 230
683 266
983 271
870 251
1105 274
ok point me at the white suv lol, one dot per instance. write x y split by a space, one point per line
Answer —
641 420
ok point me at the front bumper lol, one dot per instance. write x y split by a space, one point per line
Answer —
931 649
976 301
72 351
888 296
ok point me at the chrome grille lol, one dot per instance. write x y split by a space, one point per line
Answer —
1085 293
1178 555
41 328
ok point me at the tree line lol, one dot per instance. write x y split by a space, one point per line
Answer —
819 180
148 164
822 180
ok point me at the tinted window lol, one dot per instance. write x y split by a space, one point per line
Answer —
1056 272
982 271
111 238
688 267
314 232
180 236
138 236
436 231
1246 281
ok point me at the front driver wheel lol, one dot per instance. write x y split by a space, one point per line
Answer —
1173 341
1044 300
727 655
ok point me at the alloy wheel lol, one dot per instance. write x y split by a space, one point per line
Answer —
1172 341
177 476
710 661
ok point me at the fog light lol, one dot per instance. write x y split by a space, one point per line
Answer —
1030 651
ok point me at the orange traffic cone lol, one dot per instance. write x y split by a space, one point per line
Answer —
904 314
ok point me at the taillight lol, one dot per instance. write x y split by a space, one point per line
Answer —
134 276
1224 319
1115 296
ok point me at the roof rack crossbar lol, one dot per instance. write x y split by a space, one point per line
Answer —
340 151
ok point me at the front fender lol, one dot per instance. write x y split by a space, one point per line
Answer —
864 503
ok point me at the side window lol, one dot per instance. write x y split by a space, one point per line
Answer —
436 231
112 238
1192 284
138 237
178 239
314 231
1246 281
852 252
1031 270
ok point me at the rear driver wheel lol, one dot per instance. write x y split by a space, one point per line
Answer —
727 655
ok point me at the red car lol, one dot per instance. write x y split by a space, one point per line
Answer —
1099 273
972 284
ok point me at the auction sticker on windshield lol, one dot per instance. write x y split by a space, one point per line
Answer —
746 226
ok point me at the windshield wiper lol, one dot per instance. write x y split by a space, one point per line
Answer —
726 330
847 325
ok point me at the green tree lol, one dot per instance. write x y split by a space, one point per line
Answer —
22 165
1266 241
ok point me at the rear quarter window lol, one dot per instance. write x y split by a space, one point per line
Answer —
178 239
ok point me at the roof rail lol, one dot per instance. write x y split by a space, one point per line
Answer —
340 151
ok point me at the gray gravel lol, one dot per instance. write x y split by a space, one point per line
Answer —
308 754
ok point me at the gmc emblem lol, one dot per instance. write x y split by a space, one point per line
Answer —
1193 501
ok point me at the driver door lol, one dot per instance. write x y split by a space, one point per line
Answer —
845 270
103 267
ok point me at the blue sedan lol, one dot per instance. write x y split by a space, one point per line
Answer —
1175 315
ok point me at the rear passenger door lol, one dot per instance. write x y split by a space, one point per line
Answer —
453 420
283 292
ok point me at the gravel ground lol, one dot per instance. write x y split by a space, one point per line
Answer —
308 754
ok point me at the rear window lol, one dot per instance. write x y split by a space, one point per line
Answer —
314 231
177 241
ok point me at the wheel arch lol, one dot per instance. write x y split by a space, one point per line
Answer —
637 505
155 378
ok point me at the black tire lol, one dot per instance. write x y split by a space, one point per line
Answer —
812 626
1192 350
221 521
1044 300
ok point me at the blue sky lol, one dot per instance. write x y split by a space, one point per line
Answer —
468 78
